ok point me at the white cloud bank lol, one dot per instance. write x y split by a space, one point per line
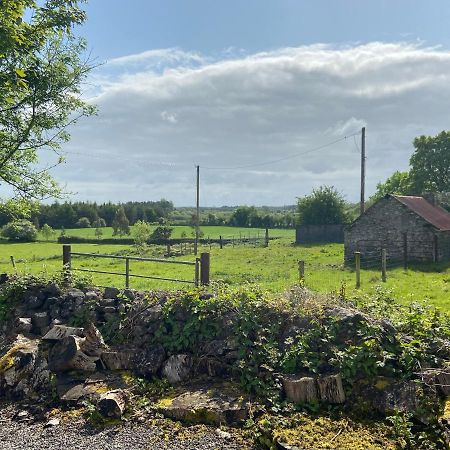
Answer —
163 111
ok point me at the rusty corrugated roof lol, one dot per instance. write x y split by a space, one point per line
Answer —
437 216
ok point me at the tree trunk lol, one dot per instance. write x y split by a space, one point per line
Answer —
113 404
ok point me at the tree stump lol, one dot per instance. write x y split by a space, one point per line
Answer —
331 389
300 390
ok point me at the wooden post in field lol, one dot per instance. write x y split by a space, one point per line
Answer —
67 258
266 242
197 271
383 265
204 269
127 273
358 269
301 270
67 263
13 263
220 242
405 251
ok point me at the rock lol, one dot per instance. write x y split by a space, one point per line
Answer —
442 380
34 302
109 310
177 368
52 290
73 387
300 389
148 362
91 296
217 347
75 295
59 332
52 423
40 320
213 367
223 434
111 292
23 370
119 360
213 405
154 313
331 389
107 302
23 325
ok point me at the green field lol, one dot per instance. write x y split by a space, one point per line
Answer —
213 232
274 268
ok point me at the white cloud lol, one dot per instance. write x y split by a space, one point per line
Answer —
241 110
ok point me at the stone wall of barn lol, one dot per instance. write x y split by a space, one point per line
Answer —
385 225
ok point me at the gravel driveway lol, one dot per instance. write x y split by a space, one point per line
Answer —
75 434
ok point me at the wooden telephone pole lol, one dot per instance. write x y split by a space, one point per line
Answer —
197 216
363 170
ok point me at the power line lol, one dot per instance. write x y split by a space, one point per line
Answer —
314 149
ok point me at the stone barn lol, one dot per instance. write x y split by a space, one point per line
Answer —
414 229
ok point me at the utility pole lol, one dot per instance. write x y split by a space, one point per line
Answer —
197 216
363 169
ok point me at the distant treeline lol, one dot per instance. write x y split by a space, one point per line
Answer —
67 215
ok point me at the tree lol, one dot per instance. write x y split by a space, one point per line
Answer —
398 183
141 233
47 231
41 73
20 230
121 224
99 223
98 233
324 206
83 222
161 232
430 163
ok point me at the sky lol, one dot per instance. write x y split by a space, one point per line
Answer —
268 97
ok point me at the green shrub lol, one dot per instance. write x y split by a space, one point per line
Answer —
83 222
20 230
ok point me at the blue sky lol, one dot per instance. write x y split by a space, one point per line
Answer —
116 28
240 83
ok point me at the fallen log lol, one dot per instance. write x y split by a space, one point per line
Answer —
77 353
113 404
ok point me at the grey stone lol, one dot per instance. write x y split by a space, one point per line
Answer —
109 310
118 360
178 368
52 290
34 302
217 347
23 325
59 332
106 302
91 296
154 313
40 320
75 294
212 405
149 361
111 292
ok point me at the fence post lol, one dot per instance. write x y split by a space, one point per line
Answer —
67 263
267 238
204 269
358 269
405 251
127 273
435 249
13 263
197 271
67 258
383 265
301 270
220 242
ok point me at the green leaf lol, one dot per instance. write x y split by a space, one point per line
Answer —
21 73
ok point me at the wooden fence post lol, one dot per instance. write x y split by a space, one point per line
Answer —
197 271
204 269
301 270
383 265
220 241
67 257
435 249
13 263
405 251
266 242
358 269
127 273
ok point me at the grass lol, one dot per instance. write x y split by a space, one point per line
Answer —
213 232
274 268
